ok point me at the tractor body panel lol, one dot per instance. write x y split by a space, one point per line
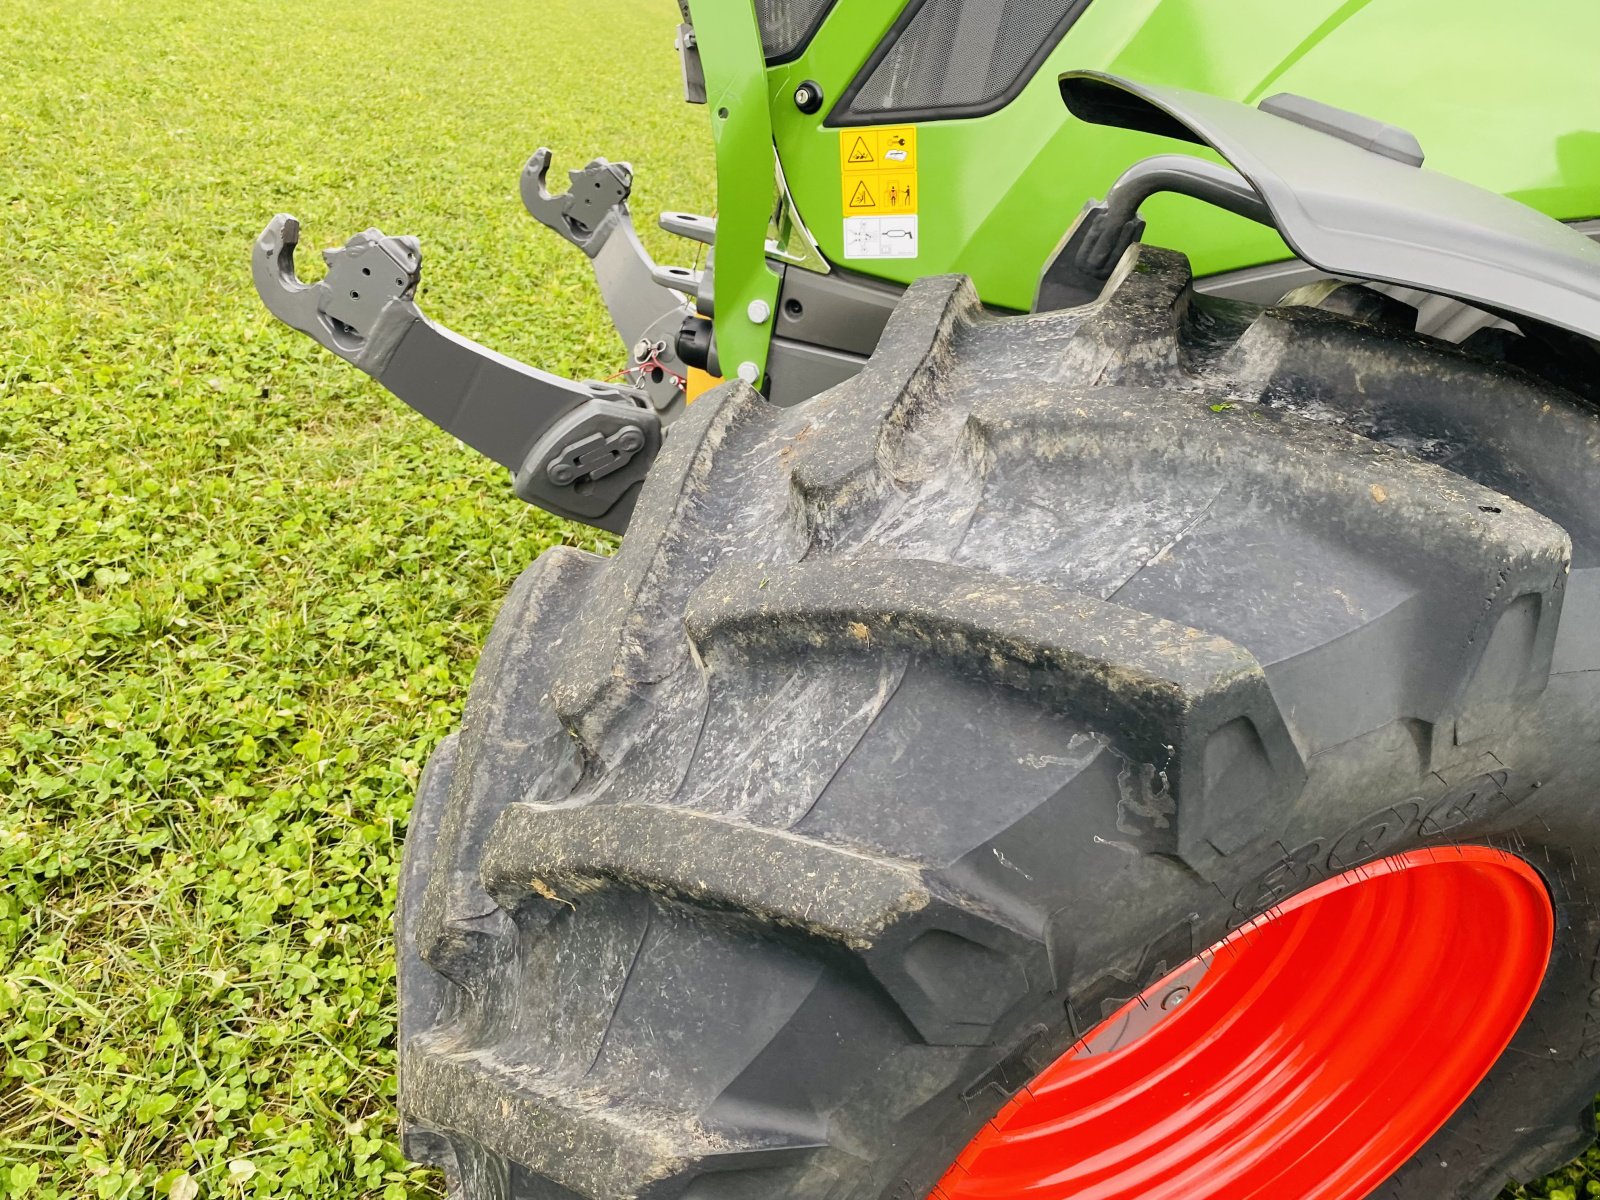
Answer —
996 191
1325 114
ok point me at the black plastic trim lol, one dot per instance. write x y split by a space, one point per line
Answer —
813 101
799 48
1102 103
840 115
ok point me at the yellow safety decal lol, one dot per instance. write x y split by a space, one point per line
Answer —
879 191
879 170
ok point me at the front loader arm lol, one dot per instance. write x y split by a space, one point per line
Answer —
579 450
643 299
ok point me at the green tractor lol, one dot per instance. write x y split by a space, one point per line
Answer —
1097 697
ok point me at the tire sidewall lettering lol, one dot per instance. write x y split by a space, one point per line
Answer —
1471 804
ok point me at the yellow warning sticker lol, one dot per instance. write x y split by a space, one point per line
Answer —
878 170
860 152
891 148
882 193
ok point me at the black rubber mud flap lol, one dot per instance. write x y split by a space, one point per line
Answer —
914 729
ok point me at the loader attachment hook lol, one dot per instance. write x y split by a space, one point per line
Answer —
597 190
576 449
643 299
346 310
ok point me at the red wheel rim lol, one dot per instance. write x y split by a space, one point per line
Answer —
1308 1054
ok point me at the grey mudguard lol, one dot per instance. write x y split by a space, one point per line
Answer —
579 450
1350 197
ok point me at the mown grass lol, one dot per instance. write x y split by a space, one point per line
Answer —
241 590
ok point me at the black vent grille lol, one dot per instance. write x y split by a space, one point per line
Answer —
956 58
787 25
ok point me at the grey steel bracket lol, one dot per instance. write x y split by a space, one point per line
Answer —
582 462
1086 257
1349 196
587 213
364 311
694 75
681 279
593 215
690 225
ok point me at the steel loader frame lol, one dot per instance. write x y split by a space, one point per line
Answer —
1349 197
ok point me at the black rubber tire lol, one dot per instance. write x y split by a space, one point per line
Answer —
914 728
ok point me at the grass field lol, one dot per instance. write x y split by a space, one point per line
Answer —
241 590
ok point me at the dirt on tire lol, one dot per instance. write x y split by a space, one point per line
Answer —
916 728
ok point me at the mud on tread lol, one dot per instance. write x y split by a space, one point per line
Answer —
787 837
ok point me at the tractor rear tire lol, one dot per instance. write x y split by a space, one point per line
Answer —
917 732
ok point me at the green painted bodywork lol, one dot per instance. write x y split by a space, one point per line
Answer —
741 128
1503 95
